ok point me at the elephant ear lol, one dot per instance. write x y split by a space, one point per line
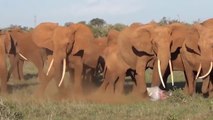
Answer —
9 43
141 41
192 41
178 35
83 38
42 35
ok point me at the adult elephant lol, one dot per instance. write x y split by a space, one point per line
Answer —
24 49
140 45
3 66
72 46
197 55
178 35
114 70
95 64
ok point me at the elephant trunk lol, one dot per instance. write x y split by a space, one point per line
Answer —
206 62
59 64
163 61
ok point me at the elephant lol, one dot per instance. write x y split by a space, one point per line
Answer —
138 46
197 56
19 47
95 67
71 47
3 66
27 50
179 32
114 70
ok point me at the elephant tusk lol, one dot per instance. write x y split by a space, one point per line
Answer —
63 73
160 74
210 69
51 64
198 71
171 72
22 56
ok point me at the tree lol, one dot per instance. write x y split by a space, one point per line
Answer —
82 22
68 24
119 26
97 22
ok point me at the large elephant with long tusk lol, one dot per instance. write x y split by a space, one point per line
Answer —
72 47
138 45
179 32
197 55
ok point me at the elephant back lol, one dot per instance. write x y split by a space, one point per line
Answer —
42 35
112 37
208 23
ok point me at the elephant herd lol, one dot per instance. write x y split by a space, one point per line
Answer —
130 52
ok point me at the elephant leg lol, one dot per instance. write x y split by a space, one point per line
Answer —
43 79
14 69
78 68
119 85
211 82
205 86
190 77
3 77
108 82
110 89
211 86
186 83
20 69
71 74
140 78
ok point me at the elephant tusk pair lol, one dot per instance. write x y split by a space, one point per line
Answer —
63 73
22 56
51 63
160 74
209 71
